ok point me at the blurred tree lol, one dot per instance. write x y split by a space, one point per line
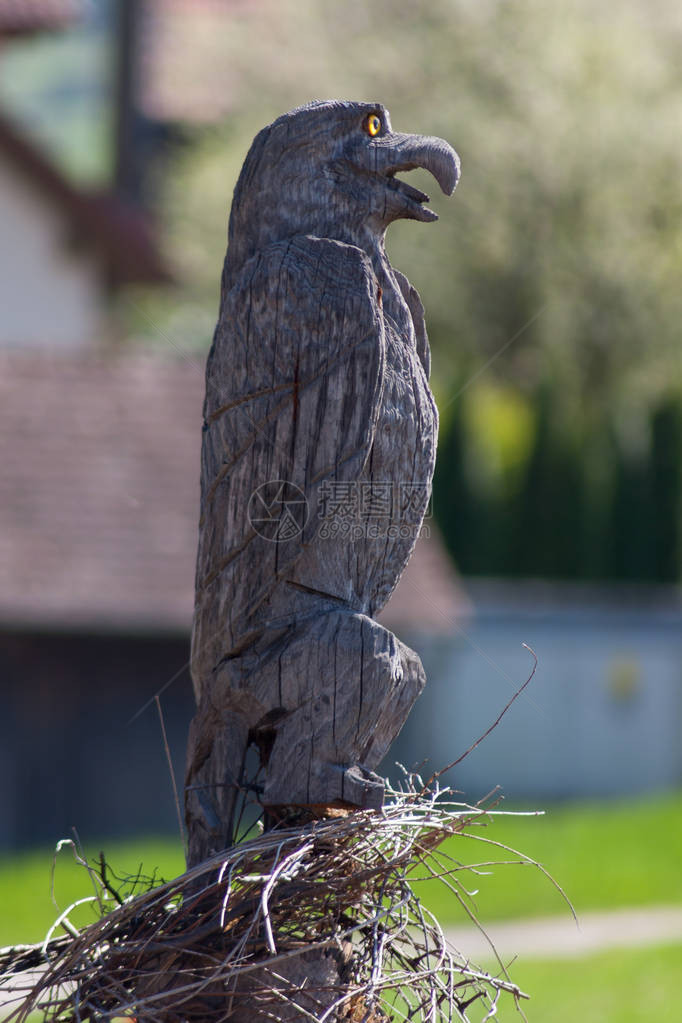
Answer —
570 197
550 505
667 488
456 507
632 527
557 271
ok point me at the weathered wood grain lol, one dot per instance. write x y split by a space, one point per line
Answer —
317 378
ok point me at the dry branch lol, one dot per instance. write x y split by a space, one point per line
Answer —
237 932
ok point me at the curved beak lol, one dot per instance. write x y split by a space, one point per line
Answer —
396 152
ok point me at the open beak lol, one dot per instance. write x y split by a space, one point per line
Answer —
396 152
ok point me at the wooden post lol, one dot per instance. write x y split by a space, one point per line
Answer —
318 451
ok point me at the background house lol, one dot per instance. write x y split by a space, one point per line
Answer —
63 250
98 523
602 716
19 18
98 512
66 247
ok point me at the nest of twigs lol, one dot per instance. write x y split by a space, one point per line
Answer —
319 921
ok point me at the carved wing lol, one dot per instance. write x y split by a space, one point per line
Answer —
414 304
293 390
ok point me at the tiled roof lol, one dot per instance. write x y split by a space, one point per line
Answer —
98 490
99 493
23 17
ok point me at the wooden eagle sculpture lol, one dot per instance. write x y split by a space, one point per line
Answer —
318 451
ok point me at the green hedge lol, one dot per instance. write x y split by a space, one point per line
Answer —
590 500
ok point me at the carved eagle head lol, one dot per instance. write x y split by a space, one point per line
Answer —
329 169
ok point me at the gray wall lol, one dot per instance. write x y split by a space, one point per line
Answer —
602 717
69 754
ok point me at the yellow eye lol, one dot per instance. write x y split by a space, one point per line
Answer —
373 125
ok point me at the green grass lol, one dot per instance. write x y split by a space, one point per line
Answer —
603 855
622 986
26 907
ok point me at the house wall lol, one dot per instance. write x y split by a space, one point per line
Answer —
70 756
602 716
49 289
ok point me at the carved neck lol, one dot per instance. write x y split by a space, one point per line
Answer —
371 242
393 301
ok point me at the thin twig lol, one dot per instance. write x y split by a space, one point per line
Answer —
237 926
172 774
448 767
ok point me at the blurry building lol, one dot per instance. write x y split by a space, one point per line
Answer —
99 495
64 249
602 716
19 18
98 509
98 518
